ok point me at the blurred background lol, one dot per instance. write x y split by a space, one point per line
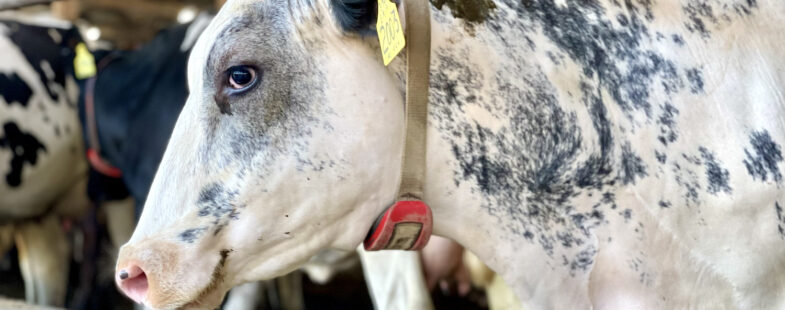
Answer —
126 24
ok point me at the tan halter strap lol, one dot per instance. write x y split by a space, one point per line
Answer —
418 60
408 223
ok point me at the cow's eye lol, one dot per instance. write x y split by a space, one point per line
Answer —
241 77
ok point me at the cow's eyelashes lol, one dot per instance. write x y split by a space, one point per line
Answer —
241 78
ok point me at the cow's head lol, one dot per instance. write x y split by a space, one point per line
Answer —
289 143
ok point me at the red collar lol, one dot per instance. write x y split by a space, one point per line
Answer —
100 165
406 225
94 146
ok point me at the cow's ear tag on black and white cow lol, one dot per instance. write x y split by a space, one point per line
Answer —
389 30
84 62
406 225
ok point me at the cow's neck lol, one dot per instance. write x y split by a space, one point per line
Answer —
502 158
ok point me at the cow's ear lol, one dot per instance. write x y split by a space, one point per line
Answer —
357 16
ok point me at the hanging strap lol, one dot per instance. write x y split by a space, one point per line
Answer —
418 60
94 145
408 223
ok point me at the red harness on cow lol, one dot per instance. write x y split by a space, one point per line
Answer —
94 146
408 223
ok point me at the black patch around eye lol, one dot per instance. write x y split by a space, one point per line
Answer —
355 15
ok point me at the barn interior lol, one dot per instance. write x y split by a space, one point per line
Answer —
127 25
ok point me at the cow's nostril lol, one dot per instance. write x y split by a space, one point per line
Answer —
133 282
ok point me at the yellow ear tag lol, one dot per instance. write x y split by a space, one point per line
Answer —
84 62
388 27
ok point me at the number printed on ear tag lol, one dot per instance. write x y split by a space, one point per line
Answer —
388 26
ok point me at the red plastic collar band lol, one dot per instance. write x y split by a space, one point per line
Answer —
100 165
406 225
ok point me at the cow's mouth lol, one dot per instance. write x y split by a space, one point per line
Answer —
215 280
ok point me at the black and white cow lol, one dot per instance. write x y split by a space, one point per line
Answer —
137 96
42 166
595 153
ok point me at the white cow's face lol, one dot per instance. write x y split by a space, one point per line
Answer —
289 143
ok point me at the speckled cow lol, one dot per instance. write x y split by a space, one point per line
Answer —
595 153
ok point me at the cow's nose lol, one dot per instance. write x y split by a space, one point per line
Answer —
133 282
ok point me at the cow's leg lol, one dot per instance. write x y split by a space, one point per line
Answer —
290 290
395 279
6 238
500 295
43 259
6 243
323 266
120 220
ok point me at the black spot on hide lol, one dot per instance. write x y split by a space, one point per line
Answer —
627 214
702 14
594 171
632 166
526 169
24 148
190 235
698 13
661 157
717 177
780 220
678 39
668 133
583 260
538 169
687 180
695 76
613 57
763 159
217 202
14 89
